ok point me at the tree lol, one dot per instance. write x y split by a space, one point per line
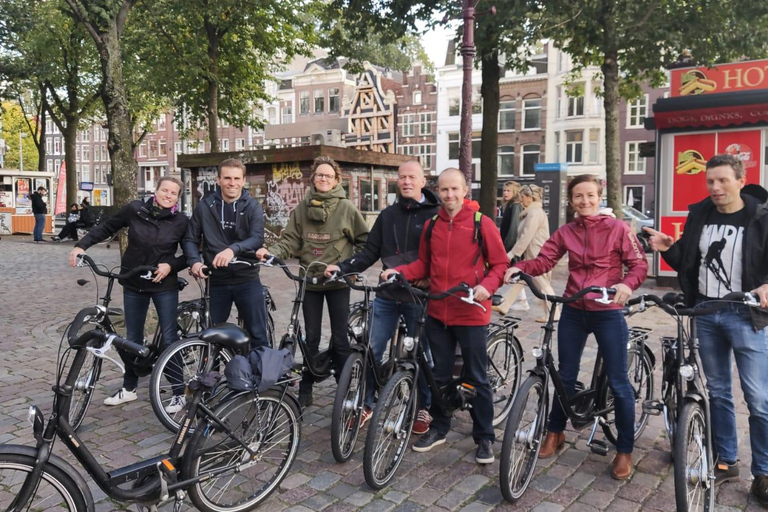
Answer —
633 41
14 123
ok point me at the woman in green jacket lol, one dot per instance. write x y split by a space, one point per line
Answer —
325 228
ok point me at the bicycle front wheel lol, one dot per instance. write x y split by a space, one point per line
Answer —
348 408
174 368
505 371
389 430
234 480
694 488
523 434
82 392
640 376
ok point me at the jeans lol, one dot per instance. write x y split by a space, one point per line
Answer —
385 318
136 305
338 312
720 334
472 340
248 297
37 234
610 330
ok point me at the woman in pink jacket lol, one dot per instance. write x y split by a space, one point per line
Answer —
598 247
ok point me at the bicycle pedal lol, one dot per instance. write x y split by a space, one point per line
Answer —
168 469
599 447
653 407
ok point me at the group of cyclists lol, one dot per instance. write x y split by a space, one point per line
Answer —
440 240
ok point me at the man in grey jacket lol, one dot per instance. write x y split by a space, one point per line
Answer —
230 223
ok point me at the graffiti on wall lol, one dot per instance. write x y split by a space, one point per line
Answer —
206 180
285 191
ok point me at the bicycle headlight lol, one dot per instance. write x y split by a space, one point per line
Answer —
687 372
537 352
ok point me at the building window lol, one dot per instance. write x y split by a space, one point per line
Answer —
598 103
531 114
333 100
575 106
57 145
143 149
86 154
557 146
86 135
477 102
48 145
57 165
425 124
177 148
104 155
559 96
86 173
637 111
239 144
531 156
272 115
454 101
152 149
369 199
49 165
163 147
224 144
425 152
507 115
635 164
161 122
409 125
506 160
634 196
304 102
417 97
201 146
287 115
453 145
594 146
319 101
573 147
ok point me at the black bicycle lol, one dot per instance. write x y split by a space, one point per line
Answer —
685 399
526 424
235 459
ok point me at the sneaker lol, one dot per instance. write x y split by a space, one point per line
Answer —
305 399
428 441
55 239
520 306
484 453
421 425
364 417
760 489
121 397
177 403
726 472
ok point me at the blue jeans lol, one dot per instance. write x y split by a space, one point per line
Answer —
136 305
610 330
472 340
248 297
385 318
37 234
720 334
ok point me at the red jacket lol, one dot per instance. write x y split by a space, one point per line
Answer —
450 260
598 248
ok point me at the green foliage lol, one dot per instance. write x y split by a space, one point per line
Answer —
13 123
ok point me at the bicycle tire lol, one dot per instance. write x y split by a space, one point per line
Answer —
515 472
59 484
505 371
693 452
643 391
397 397
348 407
210 449
82 393
185 359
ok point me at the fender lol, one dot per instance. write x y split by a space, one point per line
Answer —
693 397
650 356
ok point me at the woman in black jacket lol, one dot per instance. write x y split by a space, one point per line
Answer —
156 228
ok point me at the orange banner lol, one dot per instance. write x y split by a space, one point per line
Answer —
739 76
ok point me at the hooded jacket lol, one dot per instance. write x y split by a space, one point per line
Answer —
451 257
38 203
598 248
685 257
325 227
394 239
152 239
205 227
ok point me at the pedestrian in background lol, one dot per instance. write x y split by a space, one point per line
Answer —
514 297
39 210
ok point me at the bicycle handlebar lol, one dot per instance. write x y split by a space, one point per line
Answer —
106 340
352 283
564 300
270 260
461 288
127 275
671 303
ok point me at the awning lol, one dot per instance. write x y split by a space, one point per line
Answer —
710 110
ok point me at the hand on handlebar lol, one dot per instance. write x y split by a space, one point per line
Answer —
623 293
197 270
510 274
223 258
162 271
761 294
481 293
389 272
74 256
262 253
330 269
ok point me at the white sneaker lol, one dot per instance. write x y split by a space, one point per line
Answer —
177 403
121 397
520 306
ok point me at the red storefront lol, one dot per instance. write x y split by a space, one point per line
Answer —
710 111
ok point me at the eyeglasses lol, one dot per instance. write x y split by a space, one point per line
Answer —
326 177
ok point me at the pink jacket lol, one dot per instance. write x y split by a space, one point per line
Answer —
598 248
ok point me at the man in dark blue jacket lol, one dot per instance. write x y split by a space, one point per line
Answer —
40 210
230 223
394 239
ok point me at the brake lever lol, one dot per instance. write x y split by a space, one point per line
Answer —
751 300
101 352
269 261
470 298
81 261
605 299
148 276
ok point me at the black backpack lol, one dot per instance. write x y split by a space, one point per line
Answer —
476 238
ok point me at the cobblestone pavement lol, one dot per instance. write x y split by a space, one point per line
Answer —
40 297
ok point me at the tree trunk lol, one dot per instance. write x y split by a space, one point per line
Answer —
610 69
213 86
489 168
70 148
41 164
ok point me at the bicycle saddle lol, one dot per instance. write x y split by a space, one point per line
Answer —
182 283
228 336
497 300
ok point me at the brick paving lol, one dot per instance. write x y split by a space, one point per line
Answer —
40 297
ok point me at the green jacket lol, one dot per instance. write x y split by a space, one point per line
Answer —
326 228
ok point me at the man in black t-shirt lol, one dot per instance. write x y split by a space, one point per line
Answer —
724 249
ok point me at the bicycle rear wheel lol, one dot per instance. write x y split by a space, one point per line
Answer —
348 408
174 368
522 438
504 373
389 430
694 488
238 481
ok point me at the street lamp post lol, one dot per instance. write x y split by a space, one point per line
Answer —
21 152
3 149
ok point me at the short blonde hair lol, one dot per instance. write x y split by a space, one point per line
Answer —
534 191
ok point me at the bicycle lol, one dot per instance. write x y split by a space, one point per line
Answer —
685 399
235 459
526 424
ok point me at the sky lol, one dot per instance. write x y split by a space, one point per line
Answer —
435 43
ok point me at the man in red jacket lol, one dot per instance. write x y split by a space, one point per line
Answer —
457 253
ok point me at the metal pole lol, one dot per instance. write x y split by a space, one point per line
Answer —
468 60
21 154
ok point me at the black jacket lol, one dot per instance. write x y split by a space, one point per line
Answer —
86 217
684 256
395 238
205 227
38 204
510 221
151 241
